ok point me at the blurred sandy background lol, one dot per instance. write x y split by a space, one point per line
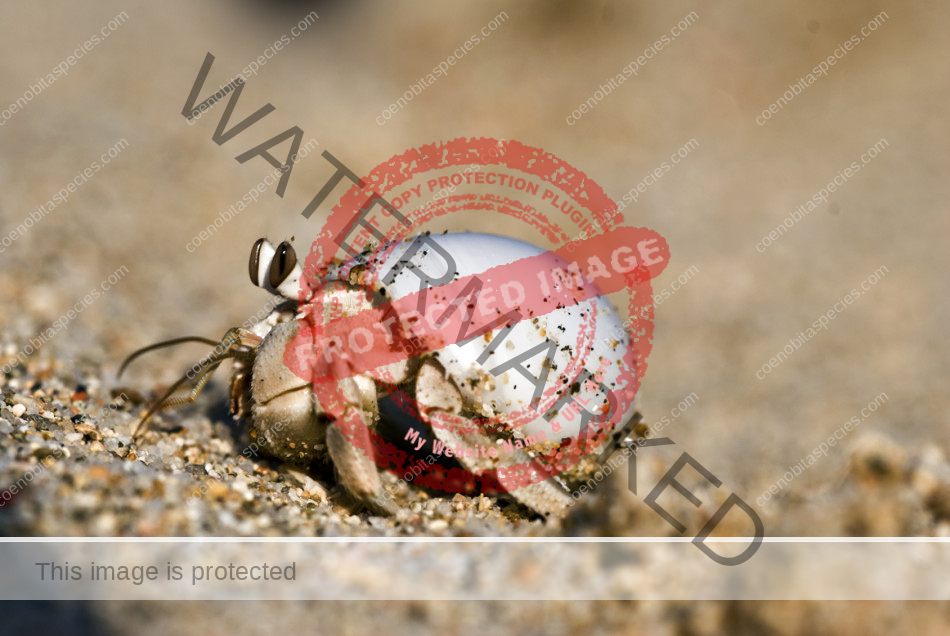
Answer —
520 83
356 618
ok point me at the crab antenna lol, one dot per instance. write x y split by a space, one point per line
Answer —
207 367
161 345
207 370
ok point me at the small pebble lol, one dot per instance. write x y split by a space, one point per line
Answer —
484 505
18 410
87 429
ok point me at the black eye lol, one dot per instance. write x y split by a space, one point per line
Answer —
253 266
283 263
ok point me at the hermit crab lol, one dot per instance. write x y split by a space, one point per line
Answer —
538 395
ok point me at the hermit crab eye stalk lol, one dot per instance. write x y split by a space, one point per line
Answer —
283 264
276 270
259 265
254 264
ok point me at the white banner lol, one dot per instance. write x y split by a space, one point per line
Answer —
433 569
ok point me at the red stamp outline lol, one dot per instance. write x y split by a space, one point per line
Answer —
301 358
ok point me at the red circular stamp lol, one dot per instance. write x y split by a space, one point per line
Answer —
562 288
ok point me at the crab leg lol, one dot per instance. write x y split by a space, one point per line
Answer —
436 396
237 343
356 469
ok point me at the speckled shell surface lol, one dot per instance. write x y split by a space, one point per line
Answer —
585 335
